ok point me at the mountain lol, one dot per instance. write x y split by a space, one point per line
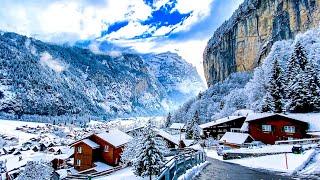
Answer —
42 79
179 78
243 41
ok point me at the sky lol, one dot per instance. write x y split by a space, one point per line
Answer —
144 26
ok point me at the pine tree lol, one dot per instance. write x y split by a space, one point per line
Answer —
196 132
168 120
150 157
303 89
190 125
273 100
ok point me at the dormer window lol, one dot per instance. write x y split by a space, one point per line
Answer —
79 149
106 148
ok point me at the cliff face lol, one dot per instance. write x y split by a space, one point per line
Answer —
242 42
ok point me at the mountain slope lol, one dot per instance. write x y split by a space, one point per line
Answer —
38 78
179 78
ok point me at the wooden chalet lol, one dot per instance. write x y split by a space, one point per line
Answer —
104 147
270 127
218 128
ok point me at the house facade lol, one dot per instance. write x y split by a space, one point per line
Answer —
269 128
104 147
218 128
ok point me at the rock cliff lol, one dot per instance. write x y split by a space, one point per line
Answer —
241 43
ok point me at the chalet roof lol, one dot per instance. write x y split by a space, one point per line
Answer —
167 136
220 121
115 137
313 119
177 126
235 138
90 143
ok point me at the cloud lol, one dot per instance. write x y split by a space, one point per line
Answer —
181 26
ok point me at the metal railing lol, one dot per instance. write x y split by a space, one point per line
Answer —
179 164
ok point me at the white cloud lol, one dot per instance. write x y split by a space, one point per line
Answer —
131 30
79 18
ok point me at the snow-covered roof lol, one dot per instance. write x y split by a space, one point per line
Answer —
90 143
115 137
220 121
313 119
167 136
235 138
314 133
244 127
62 173
177 126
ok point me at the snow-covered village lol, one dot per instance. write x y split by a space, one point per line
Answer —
159 90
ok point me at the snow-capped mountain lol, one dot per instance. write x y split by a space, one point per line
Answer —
38 78
179 78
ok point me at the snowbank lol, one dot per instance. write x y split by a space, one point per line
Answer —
296 162
191 173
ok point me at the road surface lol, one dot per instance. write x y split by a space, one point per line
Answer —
218 170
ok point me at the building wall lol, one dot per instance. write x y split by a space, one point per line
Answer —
108 157
219 130
277 133
85 156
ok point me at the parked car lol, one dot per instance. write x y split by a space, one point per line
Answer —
221 149
297 149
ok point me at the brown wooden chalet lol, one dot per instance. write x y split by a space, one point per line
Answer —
218 128
269 127
104 147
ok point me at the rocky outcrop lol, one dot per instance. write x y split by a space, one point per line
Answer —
242 42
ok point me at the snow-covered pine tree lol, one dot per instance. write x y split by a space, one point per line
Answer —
273 100
131 150
314 85
36 170
168 120
189 129
303 90
150 157
196 132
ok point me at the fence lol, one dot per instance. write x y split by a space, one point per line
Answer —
180 163
299 141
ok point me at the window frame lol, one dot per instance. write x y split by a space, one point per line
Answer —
79 150
106 148
78 162
289 129
264 129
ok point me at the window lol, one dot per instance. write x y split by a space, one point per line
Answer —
79 150
266 128
106 148
78 162
289 129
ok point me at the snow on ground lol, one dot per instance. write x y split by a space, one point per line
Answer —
313 167
8 127
193 172
277 162
123 174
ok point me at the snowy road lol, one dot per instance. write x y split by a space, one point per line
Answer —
219 170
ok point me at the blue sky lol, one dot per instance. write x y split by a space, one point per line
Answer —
181 26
